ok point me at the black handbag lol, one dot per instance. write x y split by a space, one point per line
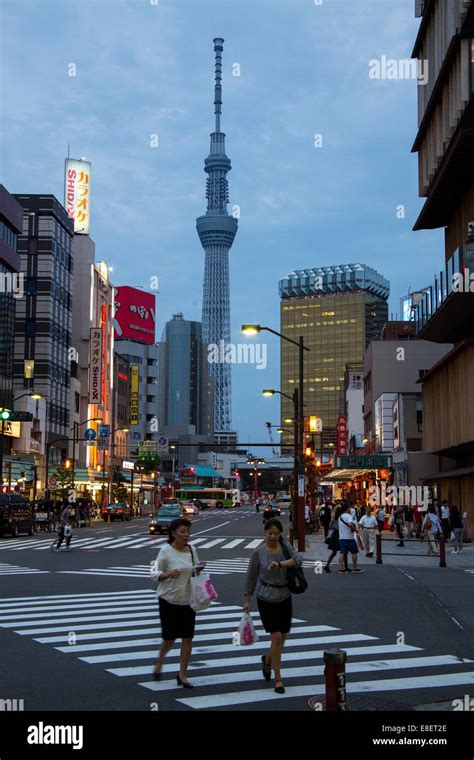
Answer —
296 581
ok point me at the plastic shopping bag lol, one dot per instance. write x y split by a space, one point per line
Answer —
247 632
203 592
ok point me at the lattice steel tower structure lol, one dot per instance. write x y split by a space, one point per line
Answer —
216 230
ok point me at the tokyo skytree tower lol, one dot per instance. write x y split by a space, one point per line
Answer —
216 230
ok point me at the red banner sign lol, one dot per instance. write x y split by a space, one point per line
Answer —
341 436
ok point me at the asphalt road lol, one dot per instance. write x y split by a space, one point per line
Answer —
81 628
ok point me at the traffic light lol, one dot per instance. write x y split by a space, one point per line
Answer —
5 414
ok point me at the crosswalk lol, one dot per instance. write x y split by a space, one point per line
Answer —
224 566
131 541
120 632
6 569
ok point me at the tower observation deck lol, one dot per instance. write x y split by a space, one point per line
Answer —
216 230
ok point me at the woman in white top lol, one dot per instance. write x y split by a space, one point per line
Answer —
175 564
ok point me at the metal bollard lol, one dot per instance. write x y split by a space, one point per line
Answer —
335 675
442 551
378 549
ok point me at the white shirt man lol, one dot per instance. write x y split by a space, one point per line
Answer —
444 512
369 526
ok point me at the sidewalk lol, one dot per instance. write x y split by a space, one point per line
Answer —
316 550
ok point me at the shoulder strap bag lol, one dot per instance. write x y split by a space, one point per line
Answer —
297 583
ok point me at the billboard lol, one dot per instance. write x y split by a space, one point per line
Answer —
134 394
77 194
95 365
134 314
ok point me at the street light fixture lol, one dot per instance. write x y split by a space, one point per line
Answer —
75 429
299 415
298 514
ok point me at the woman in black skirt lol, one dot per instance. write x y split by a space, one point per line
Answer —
175 563
268 567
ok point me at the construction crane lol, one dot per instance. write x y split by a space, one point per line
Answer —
269 427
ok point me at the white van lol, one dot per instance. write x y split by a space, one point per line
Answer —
284 502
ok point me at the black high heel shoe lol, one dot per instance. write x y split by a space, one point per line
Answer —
266 669
156 675
182 683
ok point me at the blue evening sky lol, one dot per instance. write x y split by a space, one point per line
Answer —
145 67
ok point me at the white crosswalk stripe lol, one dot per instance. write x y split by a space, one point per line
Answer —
214 567
6 569
131 541
121 632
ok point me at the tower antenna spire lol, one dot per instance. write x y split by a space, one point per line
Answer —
216 230
218 48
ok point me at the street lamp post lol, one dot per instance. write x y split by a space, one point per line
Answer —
112 446
75 429
173 448
298 513
299 414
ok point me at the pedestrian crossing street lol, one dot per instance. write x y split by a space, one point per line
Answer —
120 632
224 566
6 569
131 541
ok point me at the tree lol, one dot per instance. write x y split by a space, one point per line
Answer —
64 483
119 489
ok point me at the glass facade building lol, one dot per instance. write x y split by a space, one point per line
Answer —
338 311
184 376
43 320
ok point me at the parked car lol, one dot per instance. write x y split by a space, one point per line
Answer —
116 512
161 521
16 515
190 508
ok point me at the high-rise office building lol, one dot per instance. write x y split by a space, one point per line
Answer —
186 398
446 179
338 310
43 317
11 225
93 314
216 231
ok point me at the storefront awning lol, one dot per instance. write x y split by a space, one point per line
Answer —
341 476
458 473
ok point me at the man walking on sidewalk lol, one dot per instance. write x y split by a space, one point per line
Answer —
399 520
445 521
369 525
347 542
381 518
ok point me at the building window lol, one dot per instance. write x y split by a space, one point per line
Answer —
77 401
29 369
30 328
31 286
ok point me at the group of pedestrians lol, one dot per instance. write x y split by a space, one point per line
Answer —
266 578
343 536
448 522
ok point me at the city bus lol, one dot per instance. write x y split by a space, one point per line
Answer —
210 497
